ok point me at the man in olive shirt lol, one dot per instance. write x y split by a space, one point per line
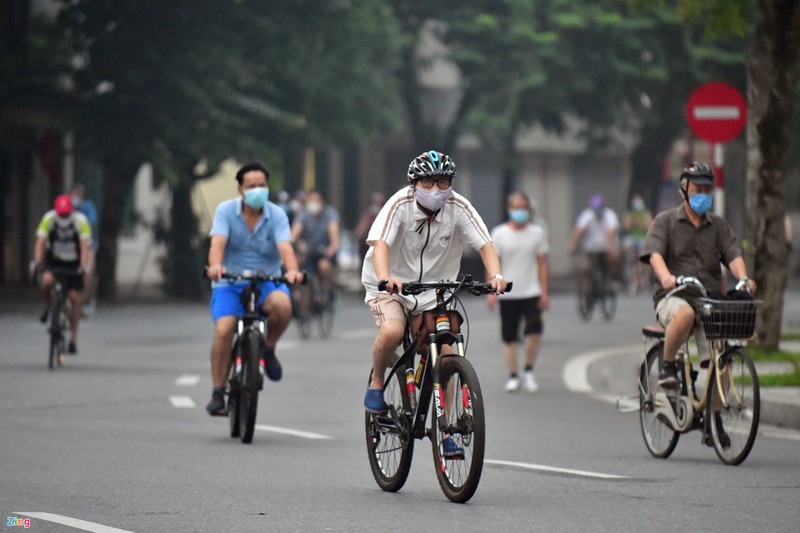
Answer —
689 241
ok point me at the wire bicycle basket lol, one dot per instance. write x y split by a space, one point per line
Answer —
728 319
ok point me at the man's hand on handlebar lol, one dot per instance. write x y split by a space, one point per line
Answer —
294 277
215 272
391 285
498 285
669 282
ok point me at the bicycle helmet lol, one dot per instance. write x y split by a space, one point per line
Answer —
597 202
698 173
431 163
63 205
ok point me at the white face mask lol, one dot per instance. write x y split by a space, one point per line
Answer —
432 199
314 208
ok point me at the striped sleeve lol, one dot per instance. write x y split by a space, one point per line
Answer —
389 219
470 223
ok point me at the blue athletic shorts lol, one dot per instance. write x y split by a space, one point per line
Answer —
226 300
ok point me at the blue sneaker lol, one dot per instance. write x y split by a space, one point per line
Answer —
373 401
451 450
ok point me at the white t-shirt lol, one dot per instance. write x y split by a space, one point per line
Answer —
519 251
422 250
594 230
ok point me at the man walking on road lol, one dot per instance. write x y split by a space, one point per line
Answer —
522 247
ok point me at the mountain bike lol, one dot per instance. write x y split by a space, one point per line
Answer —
446 380
728 409
246 373
596 288
315 302
58 316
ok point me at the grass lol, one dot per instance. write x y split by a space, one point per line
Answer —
778 380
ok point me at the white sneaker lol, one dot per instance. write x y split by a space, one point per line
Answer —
512 385
530 382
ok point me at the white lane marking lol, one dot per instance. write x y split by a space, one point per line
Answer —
554 469
776 432
576 369
72 522
293 432
712 112
187 380
182 402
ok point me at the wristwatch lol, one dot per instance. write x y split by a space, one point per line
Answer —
498 276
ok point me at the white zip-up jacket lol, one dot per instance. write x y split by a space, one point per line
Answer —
422 248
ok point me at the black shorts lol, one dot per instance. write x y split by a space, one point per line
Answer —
70 282
511 314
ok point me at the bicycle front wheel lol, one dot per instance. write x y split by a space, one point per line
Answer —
391 447
733 428
249 387
659 438
609 304
56 333
459 463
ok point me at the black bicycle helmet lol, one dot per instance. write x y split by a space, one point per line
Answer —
431 163
698 173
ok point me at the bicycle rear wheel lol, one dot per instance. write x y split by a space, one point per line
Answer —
463 400
250 385
741 416
391 448
659 437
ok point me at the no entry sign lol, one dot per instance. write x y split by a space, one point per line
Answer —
716 112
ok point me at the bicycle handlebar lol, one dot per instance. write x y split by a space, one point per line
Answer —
416 287
252 275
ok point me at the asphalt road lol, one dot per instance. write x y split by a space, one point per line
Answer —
119 438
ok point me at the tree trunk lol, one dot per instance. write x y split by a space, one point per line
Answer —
772 72
647 162
118 179
183 268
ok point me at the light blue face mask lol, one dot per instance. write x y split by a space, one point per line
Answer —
256 198
520 216
700 203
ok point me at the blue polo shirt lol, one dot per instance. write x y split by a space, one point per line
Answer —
247 249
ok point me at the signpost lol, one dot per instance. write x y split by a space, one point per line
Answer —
717 113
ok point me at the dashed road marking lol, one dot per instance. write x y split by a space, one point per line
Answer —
187 380
76 523
553 469
293 432
182 402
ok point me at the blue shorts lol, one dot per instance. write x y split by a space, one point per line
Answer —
226 300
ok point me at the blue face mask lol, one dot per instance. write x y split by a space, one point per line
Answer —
520 216
256 198
700 203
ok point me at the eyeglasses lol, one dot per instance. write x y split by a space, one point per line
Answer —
443 182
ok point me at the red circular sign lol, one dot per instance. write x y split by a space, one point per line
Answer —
716 112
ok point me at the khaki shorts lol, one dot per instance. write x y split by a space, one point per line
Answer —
666 308
387 307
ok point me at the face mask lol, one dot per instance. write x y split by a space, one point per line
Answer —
700 203
520 216
76 202
638 205
256 198
432 199
314 208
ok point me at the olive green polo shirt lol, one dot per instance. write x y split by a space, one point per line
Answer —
691 251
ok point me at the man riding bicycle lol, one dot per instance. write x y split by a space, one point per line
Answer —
418 235
597 226
63 238
318 229
248 233
689 240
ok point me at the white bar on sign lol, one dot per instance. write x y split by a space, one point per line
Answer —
720 112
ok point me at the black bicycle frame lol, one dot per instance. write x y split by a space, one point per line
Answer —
431 367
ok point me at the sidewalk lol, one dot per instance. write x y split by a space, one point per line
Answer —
617 374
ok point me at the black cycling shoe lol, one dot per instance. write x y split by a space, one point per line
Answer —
273 366
216 407
43 316
724 438
668 377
